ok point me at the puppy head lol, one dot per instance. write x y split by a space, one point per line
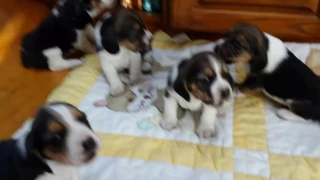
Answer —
241 44
125 28
208 79
62 133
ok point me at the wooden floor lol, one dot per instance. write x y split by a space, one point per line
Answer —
22 91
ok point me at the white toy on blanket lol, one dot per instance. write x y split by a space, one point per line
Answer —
140 96
145 94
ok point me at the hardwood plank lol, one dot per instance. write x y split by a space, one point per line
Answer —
22 90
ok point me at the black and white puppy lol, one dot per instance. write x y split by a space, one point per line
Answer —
61 33
121 38
200 83
275 70
59 141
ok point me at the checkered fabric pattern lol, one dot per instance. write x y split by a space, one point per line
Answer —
252 143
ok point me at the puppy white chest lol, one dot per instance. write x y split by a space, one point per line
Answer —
193 105
120 60
60 172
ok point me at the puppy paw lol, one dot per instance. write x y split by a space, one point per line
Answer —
206 132
146 68
286 114
148 56
169 124
117 89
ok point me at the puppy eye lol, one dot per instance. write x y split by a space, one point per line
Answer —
203 79
57 139
242 43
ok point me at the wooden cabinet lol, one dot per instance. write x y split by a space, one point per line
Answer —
290 19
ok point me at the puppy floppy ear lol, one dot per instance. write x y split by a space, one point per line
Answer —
84 120
109 36
179 85
32 150
180 88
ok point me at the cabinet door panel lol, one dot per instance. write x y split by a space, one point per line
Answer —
285 18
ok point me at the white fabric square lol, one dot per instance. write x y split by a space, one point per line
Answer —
301 50
291 137
250 162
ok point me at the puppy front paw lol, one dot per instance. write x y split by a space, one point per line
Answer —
206 131
286 114
117 89
169 124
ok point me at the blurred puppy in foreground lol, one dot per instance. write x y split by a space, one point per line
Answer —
60 140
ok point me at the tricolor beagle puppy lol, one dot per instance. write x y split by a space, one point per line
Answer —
274 69
59 141
121 37
200 83
61 33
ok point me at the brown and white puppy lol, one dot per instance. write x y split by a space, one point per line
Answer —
199 83
121 37
274 69
60 140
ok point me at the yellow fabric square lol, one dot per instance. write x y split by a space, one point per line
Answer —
164 41
294 167
313 61
249 126
77 84
238 176
174 152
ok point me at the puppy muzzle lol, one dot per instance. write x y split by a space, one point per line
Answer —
224 95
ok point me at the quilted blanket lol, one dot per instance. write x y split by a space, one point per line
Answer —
252 143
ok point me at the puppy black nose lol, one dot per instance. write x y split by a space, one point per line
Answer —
89 144
225 93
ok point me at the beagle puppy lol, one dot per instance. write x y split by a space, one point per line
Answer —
274 69
121 38
60 140
61 33
201 83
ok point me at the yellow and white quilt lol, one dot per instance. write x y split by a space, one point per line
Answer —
252 143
